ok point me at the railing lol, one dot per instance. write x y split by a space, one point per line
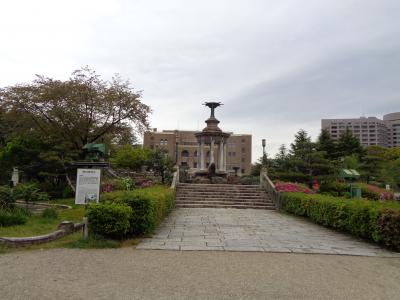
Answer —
175 179
269 187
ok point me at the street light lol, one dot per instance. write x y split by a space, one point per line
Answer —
264 158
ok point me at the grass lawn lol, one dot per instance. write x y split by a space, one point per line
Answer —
37 225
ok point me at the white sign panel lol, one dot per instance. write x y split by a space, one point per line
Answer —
87 186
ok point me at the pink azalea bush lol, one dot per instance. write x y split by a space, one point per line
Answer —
375 192
289 187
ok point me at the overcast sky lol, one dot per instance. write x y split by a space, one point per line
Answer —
277 65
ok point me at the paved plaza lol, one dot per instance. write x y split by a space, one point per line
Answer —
253 230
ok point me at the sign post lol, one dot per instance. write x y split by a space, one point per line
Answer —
87 186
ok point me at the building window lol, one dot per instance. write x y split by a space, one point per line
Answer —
185 153
243 171
195 153
208 154
195 165
184 163
243 149
242 159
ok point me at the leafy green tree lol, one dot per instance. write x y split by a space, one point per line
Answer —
306 160
326 144
131 157
160 162
348 144
351 162
80 110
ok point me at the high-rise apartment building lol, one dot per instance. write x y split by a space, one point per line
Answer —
370 131
183 148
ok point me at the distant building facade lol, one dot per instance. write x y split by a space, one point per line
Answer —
183 148
370 131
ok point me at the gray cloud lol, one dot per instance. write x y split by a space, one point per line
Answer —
278 65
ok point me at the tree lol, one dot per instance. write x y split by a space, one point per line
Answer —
348 144
80 110
326 144
131 157
160 162
305 161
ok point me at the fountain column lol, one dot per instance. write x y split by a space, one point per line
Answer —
221 156
224 163
199 156
212 152
202 160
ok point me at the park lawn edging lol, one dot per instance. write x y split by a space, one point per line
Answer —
64 229
147 209
376 221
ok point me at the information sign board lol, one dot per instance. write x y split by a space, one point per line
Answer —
87 186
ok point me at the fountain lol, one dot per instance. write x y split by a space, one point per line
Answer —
214 140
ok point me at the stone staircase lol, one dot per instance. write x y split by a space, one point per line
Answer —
222 196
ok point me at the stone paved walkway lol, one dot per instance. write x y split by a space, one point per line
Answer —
253 230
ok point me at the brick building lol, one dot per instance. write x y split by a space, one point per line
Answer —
183 148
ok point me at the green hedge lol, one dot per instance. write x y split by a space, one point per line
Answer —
109 219
149 206
377 221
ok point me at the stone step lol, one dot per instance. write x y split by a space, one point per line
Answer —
219 188
243 199
222 196
220 185
223 206
254 203
220 191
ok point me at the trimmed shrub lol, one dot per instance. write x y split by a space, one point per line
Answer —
7 199
109 219
334 188
149 206
376 221
15 216
29 192
50 213
389 227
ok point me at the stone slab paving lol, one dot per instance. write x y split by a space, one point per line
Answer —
217 229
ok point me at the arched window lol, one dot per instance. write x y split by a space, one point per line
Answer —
185 153
195 153
208 154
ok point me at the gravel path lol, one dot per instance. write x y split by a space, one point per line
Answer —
128 273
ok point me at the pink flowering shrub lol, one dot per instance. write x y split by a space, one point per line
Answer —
288 187
146 184
375 192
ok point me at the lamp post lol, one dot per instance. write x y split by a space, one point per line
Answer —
264 157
